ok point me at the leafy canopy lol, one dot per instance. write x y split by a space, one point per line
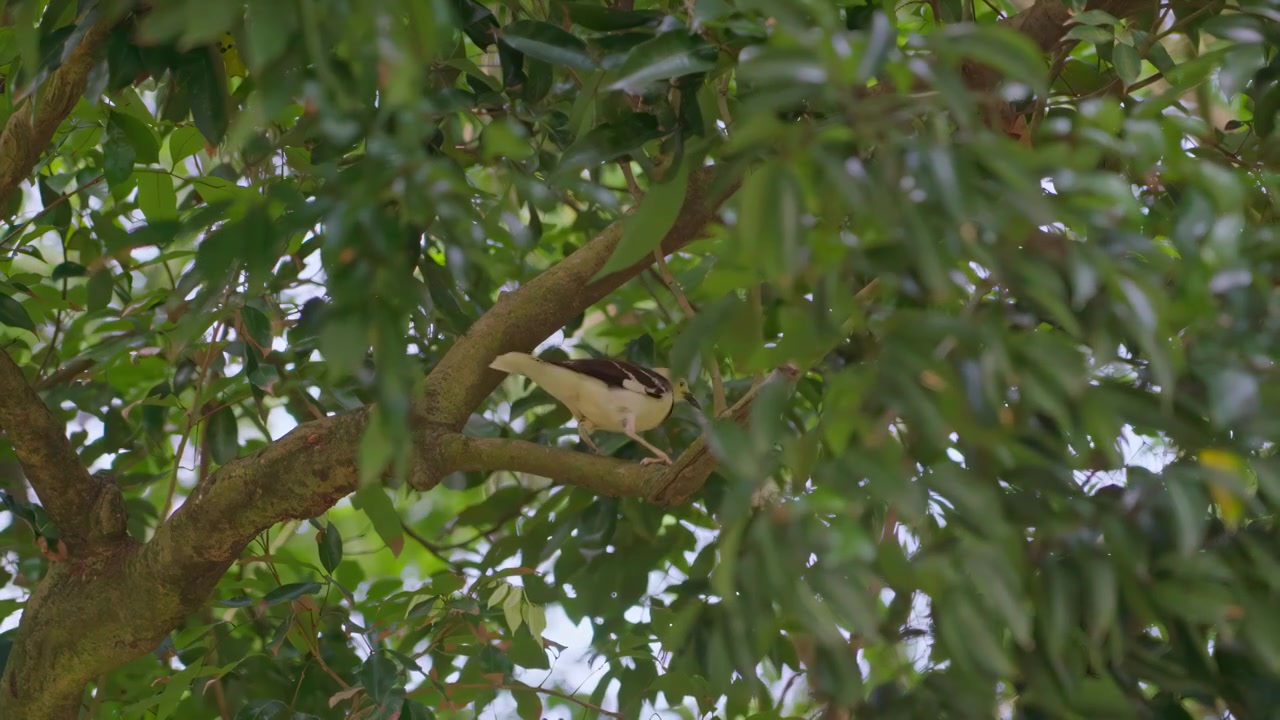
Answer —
1029 286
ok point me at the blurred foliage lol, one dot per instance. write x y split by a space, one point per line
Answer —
1028 471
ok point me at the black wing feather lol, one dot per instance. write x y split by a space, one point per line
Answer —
615 373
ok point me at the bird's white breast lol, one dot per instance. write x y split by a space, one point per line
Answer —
606 407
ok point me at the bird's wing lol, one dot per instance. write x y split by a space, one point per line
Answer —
619 374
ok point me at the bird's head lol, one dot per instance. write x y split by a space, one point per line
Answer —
683 393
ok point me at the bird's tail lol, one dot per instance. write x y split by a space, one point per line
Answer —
515 362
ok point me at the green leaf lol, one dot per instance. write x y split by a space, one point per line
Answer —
344 343
769 230
607 19
882 38
528 704
215 190
291 591
505 138
258 327
1126 62
536 616
671 55
101 284
447 583
57 211
646 229
1094 17
1236 27
373 501
269 27
379 675
68 270
779 66
377 449
1091 34
156 196
1006 51
548 43
609 141
200 73
223 434
501 504
184 142
261 710
329 544
1265 110
118 156
14 315
511 604
146 146
414 710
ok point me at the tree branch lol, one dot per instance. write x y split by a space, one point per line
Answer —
31 126
85 509
523 318
602 475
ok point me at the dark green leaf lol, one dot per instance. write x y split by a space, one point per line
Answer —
146 146
291 591
646 229
379 675
548 43
609 141
1127 63
261 710
100 287
528 705
377 506
200 73
57 211
14 315
607 19
183 143
67 270
1265 110
671 55
156 195
258 327
223 433
330 547
413 710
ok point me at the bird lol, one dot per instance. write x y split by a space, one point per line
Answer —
605 394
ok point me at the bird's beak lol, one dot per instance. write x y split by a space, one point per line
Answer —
689 398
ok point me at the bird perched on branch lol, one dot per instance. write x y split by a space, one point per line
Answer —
607 395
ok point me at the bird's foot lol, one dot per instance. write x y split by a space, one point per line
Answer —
662 458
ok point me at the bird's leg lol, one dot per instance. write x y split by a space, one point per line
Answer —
629 429
584 431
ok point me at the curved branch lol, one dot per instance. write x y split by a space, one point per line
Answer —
523 318
31 127
606 476
86 510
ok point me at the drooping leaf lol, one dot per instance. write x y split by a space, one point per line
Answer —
548 43
670 55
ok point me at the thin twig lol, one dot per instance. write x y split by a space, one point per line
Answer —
426 544
718 402
632 186
17 231
218 336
